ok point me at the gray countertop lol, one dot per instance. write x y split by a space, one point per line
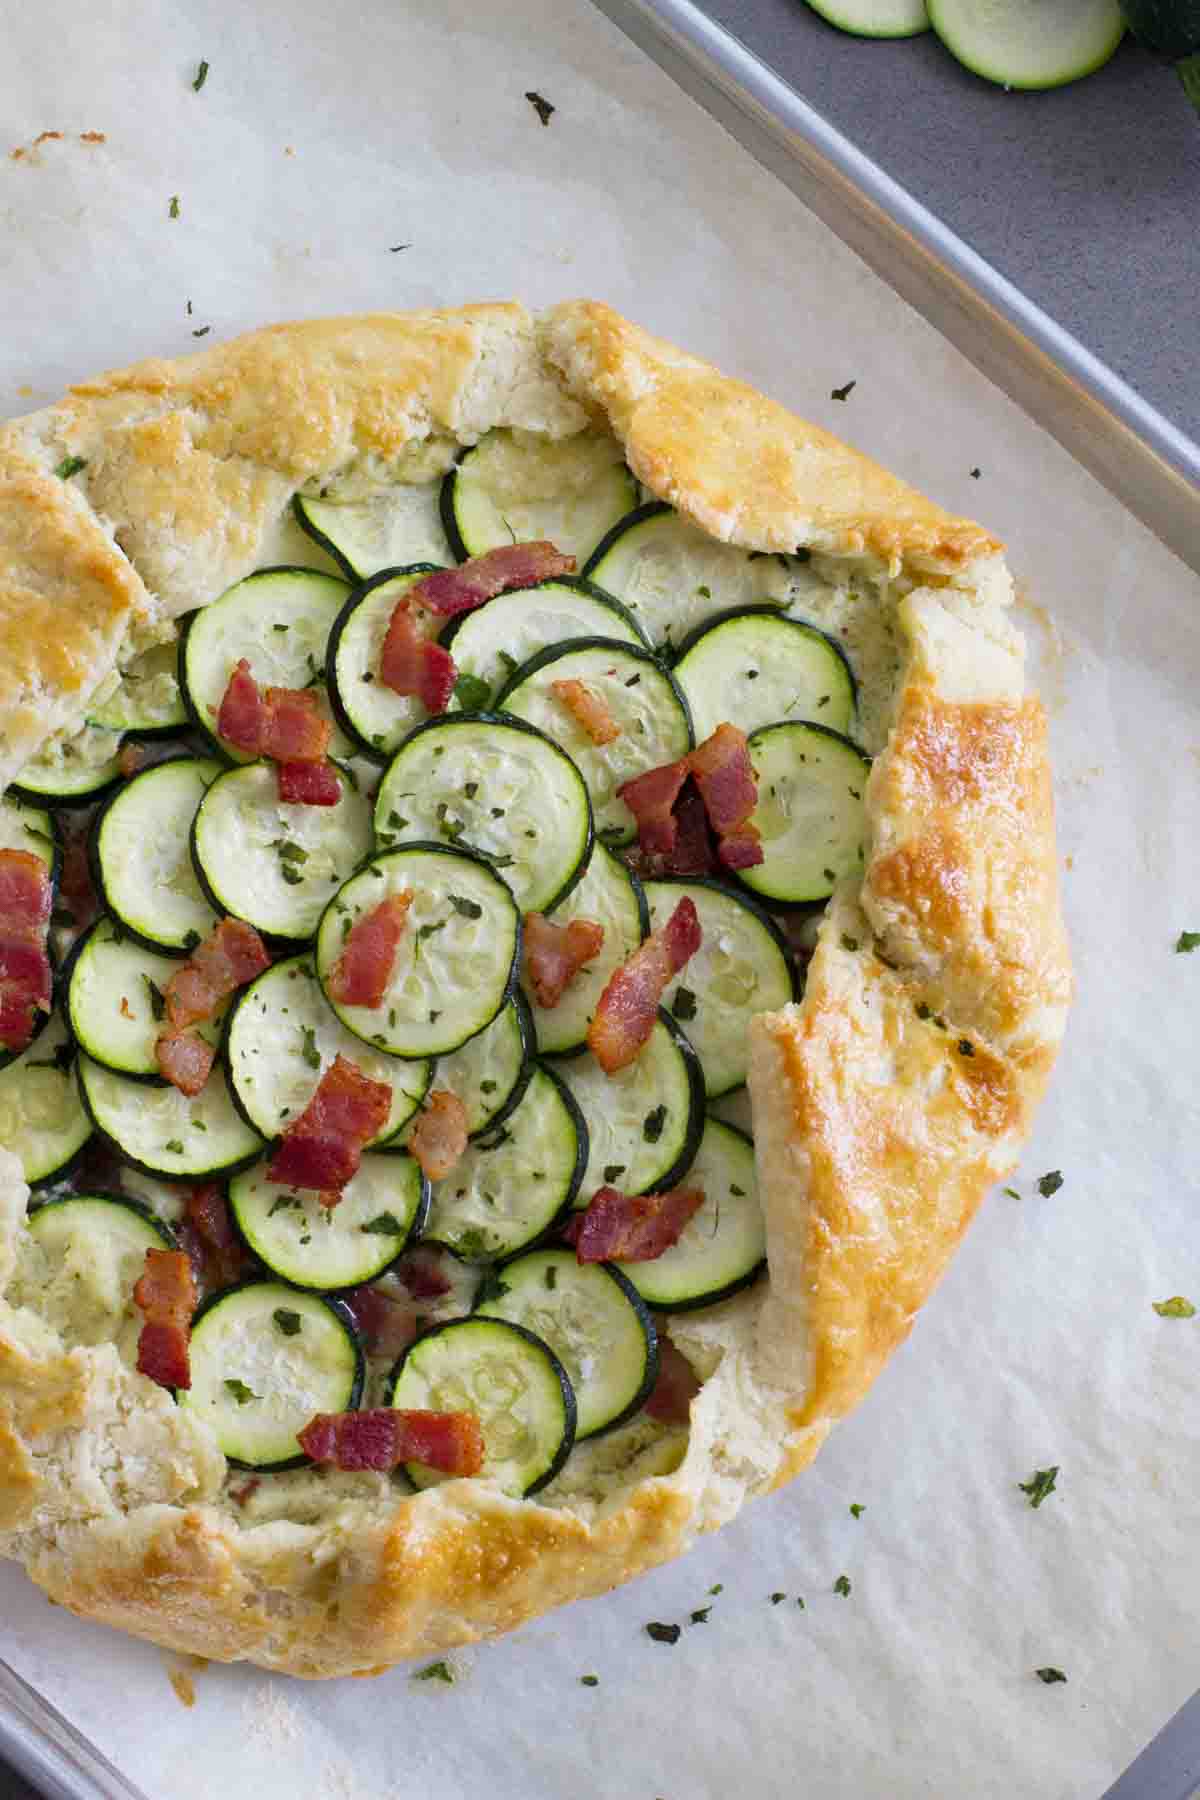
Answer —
1086 197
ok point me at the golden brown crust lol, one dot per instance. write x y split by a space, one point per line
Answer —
885 1102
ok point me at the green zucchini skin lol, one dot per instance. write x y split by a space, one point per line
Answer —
638 516
1169 27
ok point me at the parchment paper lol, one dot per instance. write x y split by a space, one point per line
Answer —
324 135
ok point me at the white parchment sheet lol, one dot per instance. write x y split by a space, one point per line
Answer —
326 134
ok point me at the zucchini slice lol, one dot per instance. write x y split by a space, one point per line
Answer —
72 771
595 1322
280 620
512 1184
114 1001
456 960
608 894
272 862
490 643
511 1381
41 1119
1029 43
724 1245
756 666
674 578
875 18
141 862
146 701
643 699
514 488
810 812
498 787
367 709
644 1122
93 1250
163 1132
322 1247
265 1359
281 1038
34 829
741 968
399 524
492 1070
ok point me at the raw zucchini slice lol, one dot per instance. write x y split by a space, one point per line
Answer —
809 812
374 715
643 699
490 643
595 1322
724 1245
875 18
497 787
163 1132
492 1070
93 1251
1029 43
146 701
512 1184
31 828
41 1119
456 961
757 666
114 1001
400 524
71 771
608 894
674 578
741 968
644 1122
322 1247
282 1037
265 1359
511 1381
514 488
140 856
274 862
280 620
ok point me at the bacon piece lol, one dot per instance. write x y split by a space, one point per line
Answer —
725 777
386 1326
741 849
308 783
131 759
588 708
627 1009
650 798
323 1147
693 850
423 1275
453 591
185 1059
621 1227
75 883
362 972
412 664
554 954
439 1137
25 987
283 723
231 955
217 1254
166 1293
247 1489
676 1387
384 1436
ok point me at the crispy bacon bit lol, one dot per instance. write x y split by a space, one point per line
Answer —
671 1400
308 783
230 956
621 1227
382 1437
412 664
362 972
741 849
452 591
554 954
185 1059
693 850
283 723
588 708
75 890
650 798
323 1147
423 1275
725 777
25 989
386 1326
217 1254
166 1293
131 758
439 1137
629 1004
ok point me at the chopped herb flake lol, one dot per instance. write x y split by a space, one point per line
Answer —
843 393
776 1598
472 693
541 107
158 1004
173 208
842 1585
71 465
289 1322
1050 1183
308 1047
612 1171
384 1224
240 1391
719 1588
1040 1486
1175 1308
700 1616
1012 1193
201 78
174 1146
663 1634
467 909
1049 1675
1185 943
684 1003
436 1671
589 1681
975 474
965 1047
849 943
857 1509
652 1124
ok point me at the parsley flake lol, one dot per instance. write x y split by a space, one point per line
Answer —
173 208
849 943
466 909
541 106
289 1322
1175 1308
436 1671
589 1681
71 465
1041 1485
1050 1183
842 1586
309 1051
965 1047
240 1391
1012 1193
384 1224
158 1004
652 1124
174 1146
700 1616
1185 943
201 78
843 393
857 1509
612 1171
472 693
1049 1675
663 1634
718 1588
776 1598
